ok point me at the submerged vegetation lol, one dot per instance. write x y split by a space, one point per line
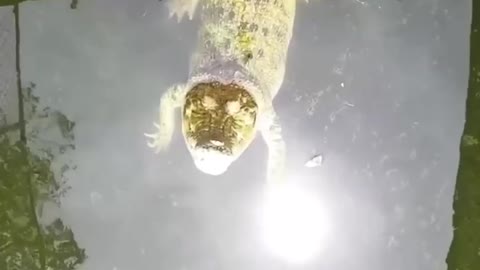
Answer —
32 235
464 252
29 188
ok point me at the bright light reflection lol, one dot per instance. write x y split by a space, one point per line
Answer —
294 224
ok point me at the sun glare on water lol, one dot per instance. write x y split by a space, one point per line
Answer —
294 224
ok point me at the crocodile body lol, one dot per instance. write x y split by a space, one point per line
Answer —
235 72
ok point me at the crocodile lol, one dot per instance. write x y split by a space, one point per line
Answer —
236 70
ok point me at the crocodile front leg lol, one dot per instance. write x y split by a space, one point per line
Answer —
170 100
272 134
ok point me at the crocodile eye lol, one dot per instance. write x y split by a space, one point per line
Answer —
232 107
209 103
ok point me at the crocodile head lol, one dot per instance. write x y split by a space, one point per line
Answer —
218 124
